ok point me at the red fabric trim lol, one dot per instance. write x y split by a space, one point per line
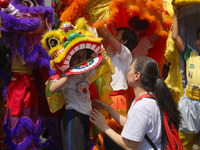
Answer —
144 96
114 93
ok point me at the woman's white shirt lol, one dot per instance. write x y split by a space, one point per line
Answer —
143 118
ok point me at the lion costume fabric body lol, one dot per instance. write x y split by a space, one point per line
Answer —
22 32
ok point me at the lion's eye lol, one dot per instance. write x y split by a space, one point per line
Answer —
29 3
66 25
52 42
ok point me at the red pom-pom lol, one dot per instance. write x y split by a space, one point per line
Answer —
4 3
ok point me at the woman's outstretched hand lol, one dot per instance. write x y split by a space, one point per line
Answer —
100 104
99 120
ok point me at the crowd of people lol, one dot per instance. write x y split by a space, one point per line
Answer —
127 50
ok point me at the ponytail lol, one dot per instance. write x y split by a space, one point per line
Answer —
165 101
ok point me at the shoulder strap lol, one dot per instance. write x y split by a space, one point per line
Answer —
147 95
150 142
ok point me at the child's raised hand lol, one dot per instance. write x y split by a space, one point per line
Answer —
99 104
99 120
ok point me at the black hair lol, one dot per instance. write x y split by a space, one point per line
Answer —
137 24
130 36
151 82
198 30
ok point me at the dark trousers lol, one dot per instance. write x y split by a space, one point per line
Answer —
75 128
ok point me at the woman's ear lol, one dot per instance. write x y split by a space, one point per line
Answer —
137 76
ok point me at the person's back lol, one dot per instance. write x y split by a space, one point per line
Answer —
121 62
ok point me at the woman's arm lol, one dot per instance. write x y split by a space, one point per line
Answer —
121 120
121 141
98 119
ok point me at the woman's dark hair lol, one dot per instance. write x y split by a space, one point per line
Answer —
151 82
130 36
137 24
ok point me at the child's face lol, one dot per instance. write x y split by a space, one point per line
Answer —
78 57
198 42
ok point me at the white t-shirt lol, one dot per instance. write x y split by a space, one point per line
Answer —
143 118
121 62
142 48
76 93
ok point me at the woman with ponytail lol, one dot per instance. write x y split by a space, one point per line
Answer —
144 117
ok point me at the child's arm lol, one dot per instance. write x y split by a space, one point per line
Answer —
105 33
180 44
59 84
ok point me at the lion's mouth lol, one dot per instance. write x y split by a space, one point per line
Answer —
65 63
